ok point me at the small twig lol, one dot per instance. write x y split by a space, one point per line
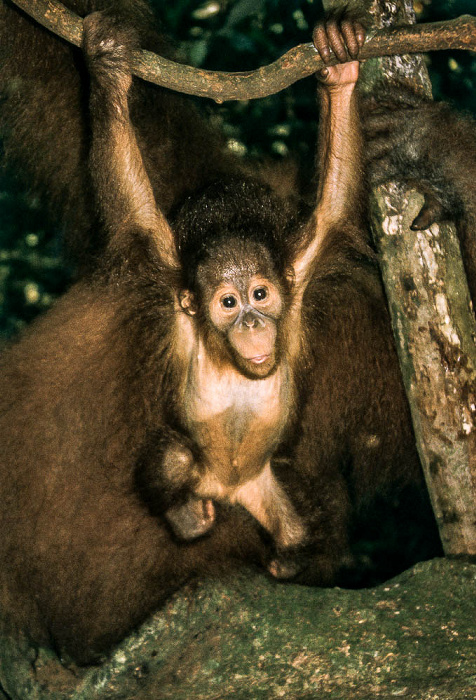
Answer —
299 62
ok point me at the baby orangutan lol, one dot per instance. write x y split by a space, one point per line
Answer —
237 338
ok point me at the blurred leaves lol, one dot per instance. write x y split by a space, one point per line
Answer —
31 272
453 73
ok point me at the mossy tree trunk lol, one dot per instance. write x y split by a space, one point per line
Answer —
432 319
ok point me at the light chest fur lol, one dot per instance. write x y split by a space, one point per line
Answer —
236 422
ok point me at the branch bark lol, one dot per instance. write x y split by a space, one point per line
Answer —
433 325
434 328
300 62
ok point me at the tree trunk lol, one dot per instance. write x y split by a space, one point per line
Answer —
432 320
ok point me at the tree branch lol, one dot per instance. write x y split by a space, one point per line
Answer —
298 63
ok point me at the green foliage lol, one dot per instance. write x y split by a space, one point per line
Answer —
31 272
453 73
244 35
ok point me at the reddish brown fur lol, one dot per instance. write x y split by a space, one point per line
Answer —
86 557
46 90
430 146
81 539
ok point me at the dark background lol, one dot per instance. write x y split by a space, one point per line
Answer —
241 35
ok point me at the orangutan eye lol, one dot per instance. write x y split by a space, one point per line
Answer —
229 302
260 293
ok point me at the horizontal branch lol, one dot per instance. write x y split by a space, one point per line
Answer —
300 62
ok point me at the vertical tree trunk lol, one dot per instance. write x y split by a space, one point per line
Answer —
432 320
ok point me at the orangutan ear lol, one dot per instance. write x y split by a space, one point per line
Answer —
187 302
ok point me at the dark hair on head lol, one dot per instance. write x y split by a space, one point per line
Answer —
238 208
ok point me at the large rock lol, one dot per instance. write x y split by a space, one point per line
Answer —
249 637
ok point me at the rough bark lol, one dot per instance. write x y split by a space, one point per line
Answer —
299 62
249 638
434 330
433 324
